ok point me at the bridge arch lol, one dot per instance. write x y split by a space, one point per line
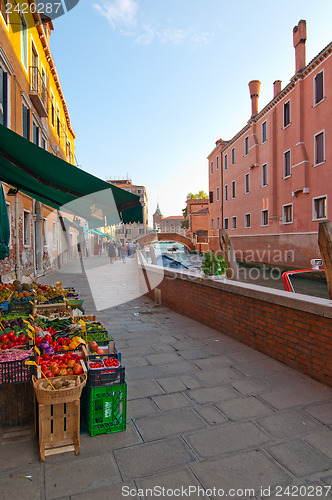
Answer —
152 237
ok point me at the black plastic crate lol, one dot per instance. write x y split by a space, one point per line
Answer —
107 375
14 372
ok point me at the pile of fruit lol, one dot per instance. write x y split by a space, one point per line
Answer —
60 365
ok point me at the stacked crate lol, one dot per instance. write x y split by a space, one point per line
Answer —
104 401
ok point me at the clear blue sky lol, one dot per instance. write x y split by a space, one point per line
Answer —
152 84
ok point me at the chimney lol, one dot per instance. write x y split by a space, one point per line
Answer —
299 39
276 87
254 87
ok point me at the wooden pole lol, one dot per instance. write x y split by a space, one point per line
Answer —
325 245
229 255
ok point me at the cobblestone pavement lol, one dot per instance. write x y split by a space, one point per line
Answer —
204 412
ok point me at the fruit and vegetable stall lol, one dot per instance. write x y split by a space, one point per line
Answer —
58 367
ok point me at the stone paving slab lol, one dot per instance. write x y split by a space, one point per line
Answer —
27 485
169 423
78 476
322 412
181 482
150 458
172 401
288 423
247 470
227 438
110 493
212 394
243 408
296 395
300 458
321 441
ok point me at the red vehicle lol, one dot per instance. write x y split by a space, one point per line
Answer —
286 277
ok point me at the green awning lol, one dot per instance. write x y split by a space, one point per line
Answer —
62 186
4 227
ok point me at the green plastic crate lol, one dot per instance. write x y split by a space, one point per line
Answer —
107 409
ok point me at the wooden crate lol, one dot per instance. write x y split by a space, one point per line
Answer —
16 404
59 428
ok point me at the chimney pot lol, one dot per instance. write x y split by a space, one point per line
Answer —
299 39
276 87
254 88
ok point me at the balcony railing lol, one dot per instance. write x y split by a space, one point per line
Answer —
38 92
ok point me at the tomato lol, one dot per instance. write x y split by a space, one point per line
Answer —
53 365
78 369
100 351
49 374
4 338
11 335
63 371
70 371
56 370
71 363
48 338
38 339
22 338
4 346
93 345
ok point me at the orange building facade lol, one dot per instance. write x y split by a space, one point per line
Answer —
32 104
275 180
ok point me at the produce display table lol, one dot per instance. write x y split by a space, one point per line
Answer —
60 351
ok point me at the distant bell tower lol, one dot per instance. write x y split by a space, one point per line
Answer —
157 217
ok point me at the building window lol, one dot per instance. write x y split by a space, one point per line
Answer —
319 148
44 143
226 223
58 123
128 231
247 220
10 223
233 156
287 215
141 231
217 194
226 192
35 134
287 164
246 183
24 41
139 191
26 228
211 224
233 189
217 163
286 114
211 167
265 218
52 110
319 87
264 175
225 162
217 223
264 132
211 197
3 97
233 222
68 152
320 208
25 122
246 146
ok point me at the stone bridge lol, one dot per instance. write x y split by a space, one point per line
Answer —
153 237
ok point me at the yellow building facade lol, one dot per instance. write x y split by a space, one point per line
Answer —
32 104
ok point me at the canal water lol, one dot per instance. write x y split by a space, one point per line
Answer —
175 256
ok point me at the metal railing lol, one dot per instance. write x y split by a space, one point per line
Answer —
38 87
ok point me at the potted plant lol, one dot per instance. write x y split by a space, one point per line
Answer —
213 266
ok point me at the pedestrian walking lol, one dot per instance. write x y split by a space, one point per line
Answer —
124 253
118 246
111 252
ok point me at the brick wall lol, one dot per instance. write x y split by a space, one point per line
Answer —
294 329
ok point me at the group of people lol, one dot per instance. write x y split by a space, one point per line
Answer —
121 250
